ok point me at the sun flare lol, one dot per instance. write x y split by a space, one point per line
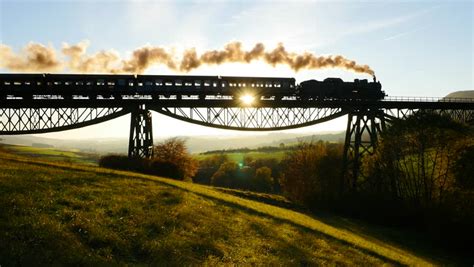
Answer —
247 99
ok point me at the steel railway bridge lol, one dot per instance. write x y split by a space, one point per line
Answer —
35 103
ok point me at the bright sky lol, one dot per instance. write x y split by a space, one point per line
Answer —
417 48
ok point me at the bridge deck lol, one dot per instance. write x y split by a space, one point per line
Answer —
388 103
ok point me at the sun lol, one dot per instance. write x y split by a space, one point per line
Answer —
247 99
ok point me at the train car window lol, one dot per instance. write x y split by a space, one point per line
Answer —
207 83
188 84
130 83
224 84
168 83
197 83
178 83
121 82
277 85
214 84
159 82
140 84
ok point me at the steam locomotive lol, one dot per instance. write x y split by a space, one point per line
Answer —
68 86
336 88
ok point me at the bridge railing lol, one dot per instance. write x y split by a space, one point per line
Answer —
428 99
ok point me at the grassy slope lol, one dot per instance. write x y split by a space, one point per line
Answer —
70 214
52 154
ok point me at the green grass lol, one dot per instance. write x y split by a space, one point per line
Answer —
53 154
61 213
239 157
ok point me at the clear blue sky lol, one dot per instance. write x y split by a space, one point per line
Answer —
421 48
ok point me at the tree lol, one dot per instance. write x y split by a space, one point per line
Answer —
262 180
209 166
271 163
311 172
173 158
415 158
226 175
464 166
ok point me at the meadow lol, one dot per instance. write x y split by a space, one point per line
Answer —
239 156
52 154
66 213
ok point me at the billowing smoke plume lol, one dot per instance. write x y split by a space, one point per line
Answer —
37 57
34 57
79 61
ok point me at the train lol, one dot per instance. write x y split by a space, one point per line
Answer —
336 88
68 86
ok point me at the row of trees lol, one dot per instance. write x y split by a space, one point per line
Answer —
420 175
259 175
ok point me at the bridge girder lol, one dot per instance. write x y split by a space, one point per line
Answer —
43 120
140 143
253 118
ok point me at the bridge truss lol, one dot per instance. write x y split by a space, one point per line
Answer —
366 118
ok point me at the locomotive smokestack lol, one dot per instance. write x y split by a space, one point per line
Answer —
37 57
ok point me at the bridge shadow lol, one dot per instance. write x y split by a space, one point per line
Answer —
303 228
405 239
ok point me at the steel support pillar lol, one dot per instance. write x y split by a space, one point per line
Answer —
140 143
363 127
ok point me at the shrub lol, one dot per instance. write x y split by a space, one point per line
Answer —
207 168
262 181
311 173
226 175
173 158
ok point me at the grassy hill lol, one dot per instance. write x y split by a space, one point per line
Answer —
63 213
52 154
461 94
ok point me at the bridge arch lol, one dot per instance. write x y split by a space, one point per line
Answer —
252 118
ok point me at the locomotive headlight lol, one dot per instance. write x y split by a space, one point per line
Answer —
247 99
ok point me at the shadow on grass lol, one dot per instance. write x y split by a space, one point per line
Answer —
228 203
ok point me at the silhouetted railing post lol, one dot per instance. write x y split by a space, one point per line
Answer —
140 143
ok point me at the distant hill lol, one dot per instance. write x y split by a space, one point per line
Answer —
461 94
330 137
196 144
